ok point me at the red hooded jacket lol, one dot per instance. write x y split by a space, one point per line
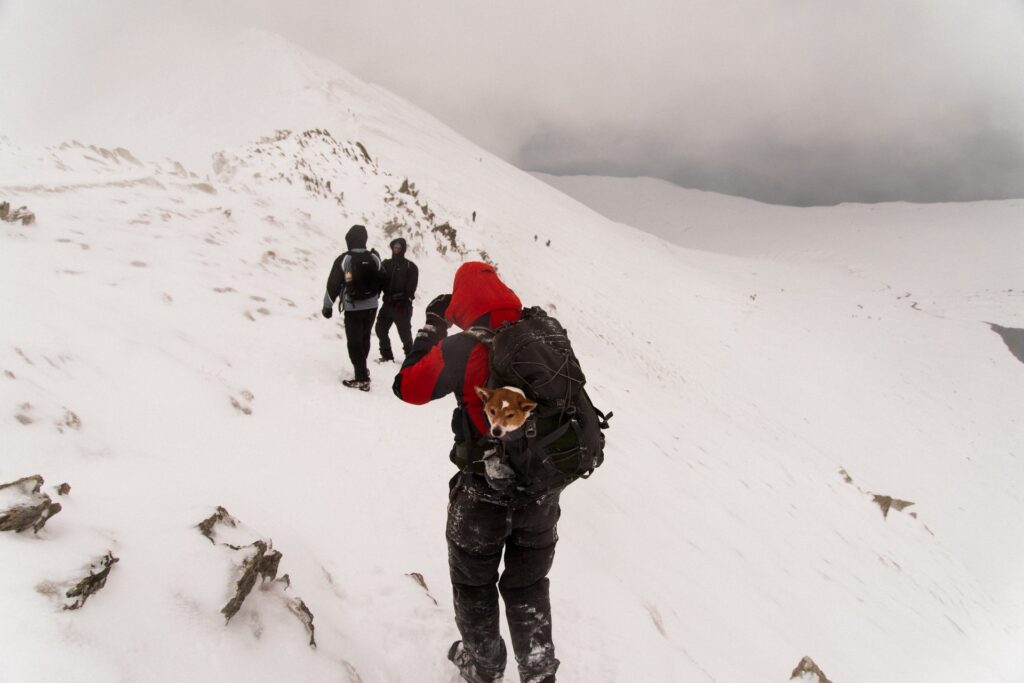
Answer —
438 364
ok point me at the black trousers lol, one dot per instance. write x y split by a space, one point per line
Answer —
478 531
401 315
358 328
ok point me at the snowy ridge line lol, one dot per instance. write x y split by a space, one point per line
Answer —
148 181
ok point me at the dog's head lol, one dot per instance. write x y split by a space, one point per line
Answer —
506 408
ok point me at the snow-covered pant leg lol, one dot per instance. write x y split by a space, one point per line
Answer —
403 321
476 532
358 330
529 553
383 328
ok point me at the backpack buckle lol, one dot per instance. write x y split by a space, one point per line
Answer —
531 428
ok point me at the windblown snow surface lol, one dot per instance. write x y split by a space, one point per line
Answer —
162 351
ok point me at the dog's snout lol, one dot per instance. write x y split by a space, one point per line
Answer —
496 431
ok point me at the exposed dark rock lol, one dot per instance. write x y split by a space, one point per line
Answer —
418 578
221 516
32 510
21 214
262 562
1012 337
91 584
366 155
245 410
299 609
72 420
447 238
63 489
393 228
887 502
806 669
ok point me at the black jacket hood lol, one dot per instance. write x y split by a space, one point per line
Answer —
401 244
355 238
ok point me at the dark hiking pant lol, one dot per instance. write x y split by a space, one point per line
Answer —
478 531
401 315
358 329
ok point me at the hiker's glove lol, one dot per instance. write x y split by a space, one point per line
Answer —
435 312
328 312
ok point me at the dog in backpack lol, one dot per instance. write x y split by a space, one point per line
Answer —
506 409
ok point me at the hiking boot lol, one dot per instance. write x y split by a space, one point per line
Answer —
386 359
460 657
361 384
547 679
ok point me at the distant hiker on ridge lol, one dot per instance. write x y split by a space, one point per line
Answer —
399 277
505 497
355 276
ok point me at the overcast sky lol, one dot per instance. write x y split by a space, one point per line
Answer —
790 101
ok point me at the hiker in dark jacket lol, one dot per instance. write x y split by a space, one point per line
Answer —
355 278
399 277
480 526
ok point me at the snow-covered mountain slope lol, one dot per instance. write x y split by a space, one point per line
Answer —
956 246
162 352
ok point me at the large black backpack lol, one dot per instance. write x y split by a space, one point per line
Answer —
563 440
365 282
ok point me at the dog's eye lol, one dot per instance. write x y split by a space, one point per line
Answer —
509 416
491 411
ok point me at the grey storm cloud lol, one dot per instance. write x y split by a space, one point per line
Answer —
789 101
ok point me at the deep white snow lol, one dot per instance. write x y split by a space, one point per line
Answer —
162 351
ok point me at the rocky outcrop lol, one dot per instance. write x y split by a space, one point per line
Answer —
259 563
262 562
323 166
90 584
220 516
885 503
809 672
21 214
1012 337
23 506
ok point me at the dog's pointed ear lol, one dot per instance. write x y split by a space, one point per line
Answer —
528 405
484 394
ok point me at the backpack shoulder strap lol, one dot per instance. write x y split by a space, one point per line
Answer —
484 335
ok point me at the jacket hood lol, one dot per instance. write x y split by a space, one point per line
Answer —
355 238
401 244
477 291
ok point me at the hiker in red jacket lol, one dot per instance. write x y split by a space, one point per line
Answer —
481 522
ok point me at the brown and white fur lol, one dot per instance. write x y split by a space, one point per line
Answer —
506 408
